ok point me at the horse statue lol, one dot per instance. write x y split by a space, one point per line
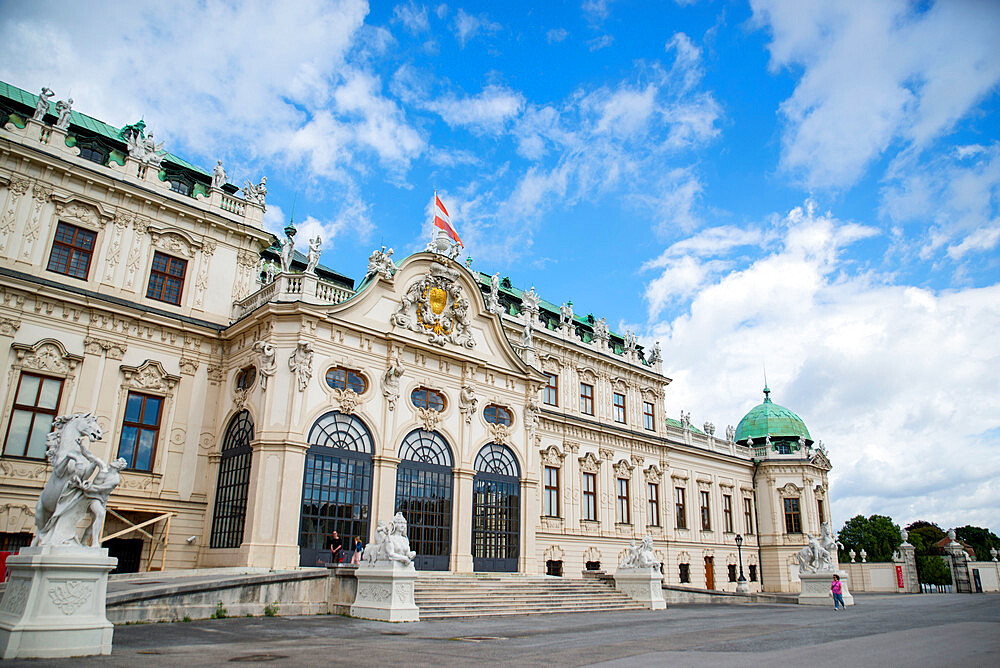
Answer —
813 556
69 491
830 546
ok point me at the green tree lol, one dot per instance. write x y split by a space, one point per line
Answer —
877 535
979 539
933 570
928 534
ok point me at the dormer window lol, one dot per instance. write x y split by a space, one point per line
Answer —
340 378
497 415
423 397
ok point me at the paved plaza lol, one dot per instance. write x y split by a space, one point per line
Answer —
918 630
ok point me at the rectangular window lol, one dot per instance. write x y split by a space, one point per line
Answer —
72 250
753 572
819 507
793 518
590 496
732 572
653 504
618 411
727 513
36 402
586 398
551 491
551 396
623 509
166 278
706 513
680 512
648 417
748 515
685 572
140 431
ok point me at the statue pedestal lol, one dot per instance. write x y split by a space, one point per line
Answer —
816 588
385 592
54 603
644 585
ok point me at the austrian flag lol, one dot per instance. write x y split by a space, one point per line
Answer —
443 221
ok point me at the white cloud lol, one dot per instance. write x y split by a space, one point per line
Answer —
556 35
412 16
466 26
600 42
488 110
876 76
906 427
596 10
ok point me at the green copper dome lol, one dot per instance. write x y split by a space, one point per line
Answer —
770 418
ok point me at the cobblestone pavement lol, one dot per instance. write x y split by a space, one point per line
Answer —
915 630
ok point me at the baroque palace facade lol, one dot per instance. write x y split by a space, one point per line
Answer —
260 407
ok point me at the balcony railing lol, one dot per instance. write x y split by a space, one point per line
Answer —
307 288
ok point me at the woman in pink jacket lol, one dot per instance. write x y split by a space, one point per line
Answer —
838 597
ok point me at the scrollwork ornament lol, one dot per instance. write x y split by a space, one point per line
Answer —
436 305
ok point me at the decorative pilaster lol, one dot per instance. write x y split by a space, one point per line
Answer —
18 186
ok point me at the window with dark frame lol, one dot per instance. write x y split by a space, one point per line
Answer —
748 515
653 504
94 155
648 416
685 572
753 572
498 415
423 397
706 513
245 377
590 496
732 572
618 407
340 378
820 509
586 398
680 511
231 489
793 517
727 513
166 278
36 402
624 517
140 431
551 394
551 491
72 251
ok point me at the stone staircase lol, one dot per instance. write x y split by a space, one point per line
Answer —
446 595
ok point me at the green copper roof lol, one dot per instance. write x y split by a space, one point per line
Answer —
770 418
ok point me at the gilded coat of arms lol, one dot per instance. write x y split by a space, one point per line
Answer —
436 305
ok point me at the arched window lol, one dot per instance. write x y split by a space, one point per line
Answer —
426 447
497 459
340 378
425 398
245 377
498 414
234 481
339 430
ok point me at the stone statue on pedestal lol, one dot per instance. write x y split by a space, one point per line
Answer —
638 574
386 576
312 259
218 175
62 113
42 106
287 249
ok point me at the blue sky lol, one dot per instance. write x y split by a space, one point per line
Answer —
811 186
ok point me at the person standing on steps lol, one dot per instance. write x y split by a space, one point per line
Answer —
838 596
336 547
358 549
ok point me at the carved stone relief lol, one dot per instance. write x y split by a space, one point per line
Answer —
300 364
18 186
552 457
428 418
149 376
436 305
499 433
46 355
348 400
589 463
41 194
78 212
623 469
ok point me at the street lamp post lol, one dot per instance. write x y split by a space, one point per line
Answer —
741 585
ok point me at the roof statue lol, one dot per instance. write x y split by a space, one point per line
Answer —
601 331
686 420
655 357
530 300
78 487
218 175
566 315
287 249
256 193
142 147
730 432
494 300
442 244
62 113
312 259
42 107
709 428
380 262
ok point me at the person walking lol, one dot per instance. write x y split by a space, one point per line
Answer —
838 596
358 549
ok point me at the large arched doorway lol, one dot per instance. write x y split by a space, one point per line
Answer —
496 510
423 495
234 480
336 485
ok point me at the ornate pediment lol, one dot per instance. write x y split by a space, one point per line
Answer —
174 242
623 469
81 213
821 460
653 474
46 355
435 305
590 463
552 456
149 376
790 489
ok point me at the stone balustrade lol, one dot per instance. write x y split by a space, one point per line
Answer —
290 288
233 205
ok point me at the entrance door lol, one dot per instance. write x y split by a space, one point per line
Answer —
709 572
336 486
128 551
423 495
496 510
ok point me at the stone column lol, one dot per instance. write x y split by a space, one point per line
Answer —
530 512
383 490
606 490
910 579
461 522
959 568
274 504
